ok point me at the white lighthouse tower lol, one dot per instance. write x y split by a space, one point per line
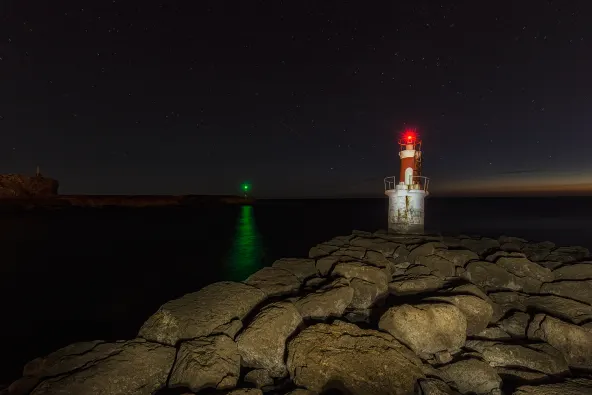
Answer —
406 198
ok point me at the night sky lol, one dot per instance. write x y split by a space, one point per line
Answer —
300 98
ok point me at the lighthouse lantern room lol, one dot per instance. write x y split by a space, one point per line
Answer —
406 198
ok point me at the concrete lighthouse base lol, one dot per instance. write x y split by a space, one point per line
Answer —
406 210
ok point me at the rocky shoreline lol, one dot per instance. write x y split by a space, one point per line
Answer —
367 313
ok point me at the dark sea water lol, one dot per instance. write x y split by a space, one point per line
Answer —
82 274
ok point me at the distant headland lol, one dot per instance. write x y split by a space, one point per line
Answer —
17 190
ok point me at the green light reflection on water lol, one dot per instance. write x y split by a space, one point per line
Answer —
246 253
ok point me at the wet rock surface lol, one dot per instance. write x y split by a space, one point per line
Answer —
367 313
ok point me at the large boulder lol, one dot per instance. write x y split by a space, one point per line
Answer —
330 301
578 386
576 290
427 329
342 356
535 357
574 342
472 376
121 368
274 281
201 313
262 343
477 311
207 362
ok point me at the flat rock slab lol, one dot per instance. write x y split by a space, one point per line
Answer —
574 342
209 362
259 378
557 306
516 324
321 250
536 356
498 254
367 273
303 269
577 271
437 265
426 329
386 248
262 343
538 251
326 264
522 267
325 303
431 386
424 250
245 391
492 277
412 285
568 254
351 251
136 367
201 313
362 361
274 281
507 301
578 386
458 257
576 290
492 333
366 293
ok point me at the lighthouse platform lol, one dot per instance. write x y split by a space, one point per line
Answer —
406 204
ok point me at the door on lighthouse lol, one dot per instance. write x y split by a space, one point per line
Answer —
409 176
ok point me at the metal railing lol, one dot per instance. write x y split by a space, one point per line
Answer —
389 183
420 182
417 183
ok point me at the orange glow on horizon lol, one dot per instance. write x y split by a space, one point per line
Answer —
544 183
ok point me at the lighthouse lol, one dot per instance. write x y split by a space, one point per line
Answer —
407 197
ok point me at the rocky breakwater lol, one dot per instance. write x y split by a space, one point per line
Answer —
14 186
368 313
